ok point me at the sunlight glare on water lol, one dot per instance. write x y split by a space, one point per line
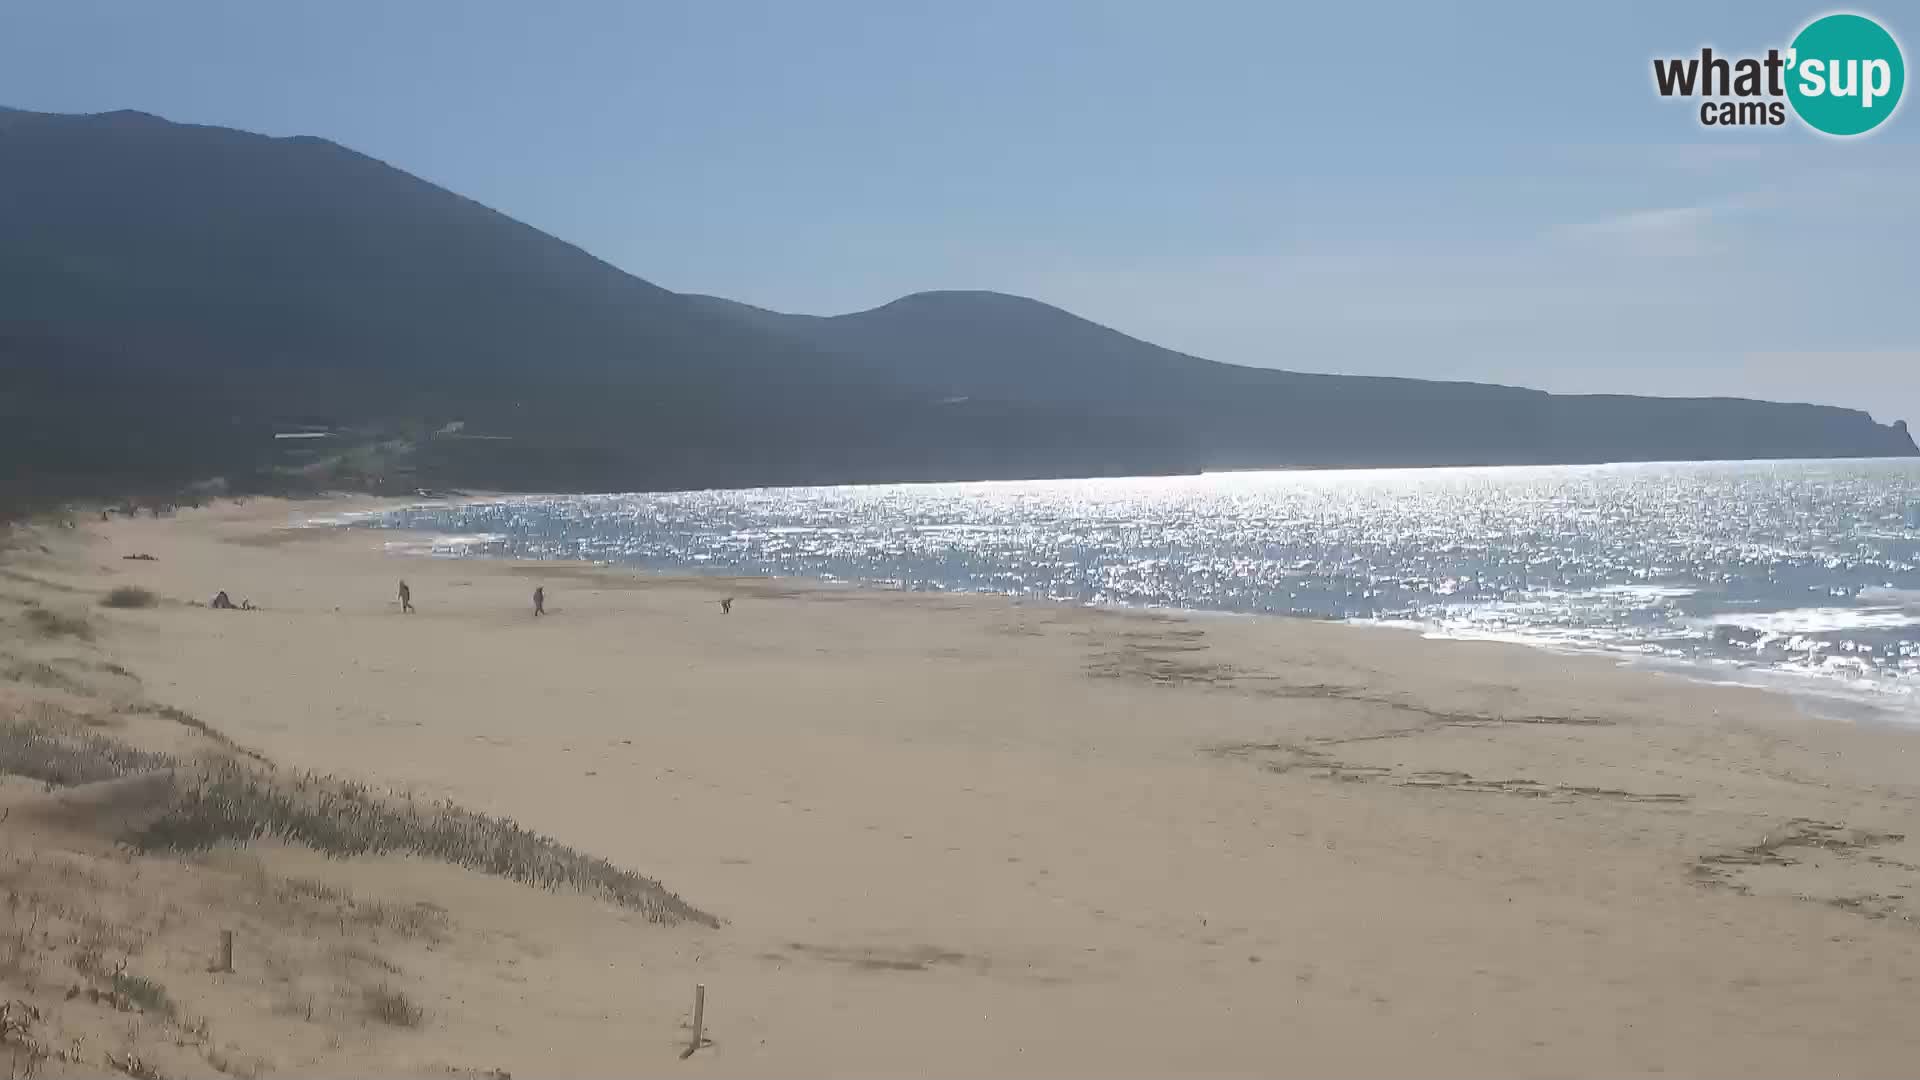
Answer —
1807 568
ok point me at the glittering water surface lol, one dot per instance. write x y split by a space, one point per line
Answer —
1784 569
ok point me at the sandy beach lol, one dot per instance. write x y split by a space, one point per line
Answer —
960 835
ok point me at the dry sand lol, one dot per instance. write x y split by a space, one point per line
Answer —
959 835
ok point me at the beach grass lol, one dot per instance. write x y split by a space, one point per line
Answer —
227 802
67 759
233 804
49 623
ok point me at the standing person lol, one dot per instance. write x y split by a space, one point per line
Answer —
539 601
406 599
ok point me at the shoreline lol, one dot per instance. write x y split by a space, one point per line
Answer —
953 833
1823 697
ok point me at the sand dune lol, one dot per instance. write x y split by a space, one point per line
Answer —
957 835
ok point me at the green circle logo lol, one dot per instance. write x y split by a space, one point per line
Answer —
1845 74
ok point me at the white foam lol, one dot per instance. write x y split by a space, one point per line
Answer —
1904 598
1844 690
1822 620
333 520
1645 592
1822 690
450 546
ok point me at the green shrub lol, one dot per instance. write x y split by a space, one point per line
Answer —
390 1006
129 596
144 992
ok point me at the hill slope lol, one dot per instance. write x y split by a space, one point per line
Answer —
171 289
169 292
991 345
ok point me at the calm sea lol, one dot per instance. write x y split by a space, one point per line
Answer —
1801 575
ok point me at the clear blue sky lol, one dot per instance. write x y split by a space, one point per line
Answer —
1487 191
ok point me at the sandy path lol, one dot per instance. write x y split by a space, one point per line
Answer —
958 835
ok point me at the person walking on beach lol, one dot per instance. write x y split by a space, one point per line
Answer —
539 601
726 606
406 599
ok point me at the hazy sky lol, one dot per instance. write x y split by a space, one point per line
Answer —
1488 191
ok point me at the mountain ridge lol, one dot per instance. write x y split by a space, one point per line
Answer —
760 311
944 340
156 276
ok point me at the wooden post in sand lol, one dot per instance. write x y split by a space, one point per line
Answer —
226 951
699 1019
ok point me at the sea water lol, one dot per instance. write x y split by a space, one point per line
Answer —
1800 574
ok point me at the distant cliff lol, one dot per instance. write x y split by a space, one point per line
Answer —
169 292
